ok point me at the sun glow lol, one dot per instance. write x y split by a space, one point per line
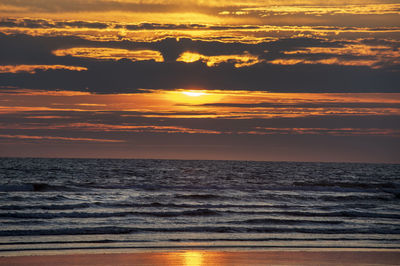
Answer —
194 93
191 97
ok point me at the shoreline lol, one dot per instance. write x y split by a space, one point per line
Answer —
194 257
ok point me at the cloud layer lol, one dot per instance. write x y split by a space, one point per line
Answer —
284 65
303 80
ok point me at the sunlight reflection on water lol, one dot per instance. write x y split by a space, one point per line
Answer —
193 258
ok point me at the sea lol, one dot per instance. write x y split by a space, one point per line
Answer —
112 205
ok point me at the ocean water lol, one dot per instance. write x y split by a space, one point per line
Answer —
101 204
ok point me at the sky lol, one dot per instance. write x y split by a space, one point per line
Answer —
266 80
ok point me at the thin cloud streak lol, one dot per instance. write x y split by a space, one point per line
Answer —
27 137
326 131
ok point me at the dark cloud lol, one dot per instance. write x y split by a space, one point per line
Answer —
125 76
267 30
158 26
110 76
47 24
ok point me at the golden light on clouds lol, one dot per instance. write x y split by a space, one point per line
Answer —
110 53
351 49
358 55
240 60
330 61
318 10
33 68
206 104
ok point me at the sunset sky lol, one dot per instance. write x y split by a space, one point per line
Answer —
287 80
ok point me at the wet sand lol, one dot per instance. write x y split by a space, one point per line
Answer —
198 258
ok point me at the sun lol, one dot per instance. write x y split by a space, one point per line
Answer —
194 97
193 93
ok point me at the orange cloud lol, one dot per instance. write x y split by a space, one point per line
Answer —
33 68
110 53
326 131
240 60
329 61
208 104
57 138
93 127
27 92
377 53
321 9
109 30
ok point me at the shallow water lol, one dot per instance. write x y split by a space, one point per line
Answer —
74 204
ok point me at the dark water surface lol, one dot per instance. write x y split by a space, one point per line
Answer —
72 204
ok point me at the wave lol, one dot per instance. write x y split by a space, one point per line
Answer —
286 221
159 205
46 207
233 239
33 197
194 205
196 229
72 242
352 214
325 198
202 247
198 196
34 187
24 222
371 185
356 198
200 212
46 215
196 212
162 202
